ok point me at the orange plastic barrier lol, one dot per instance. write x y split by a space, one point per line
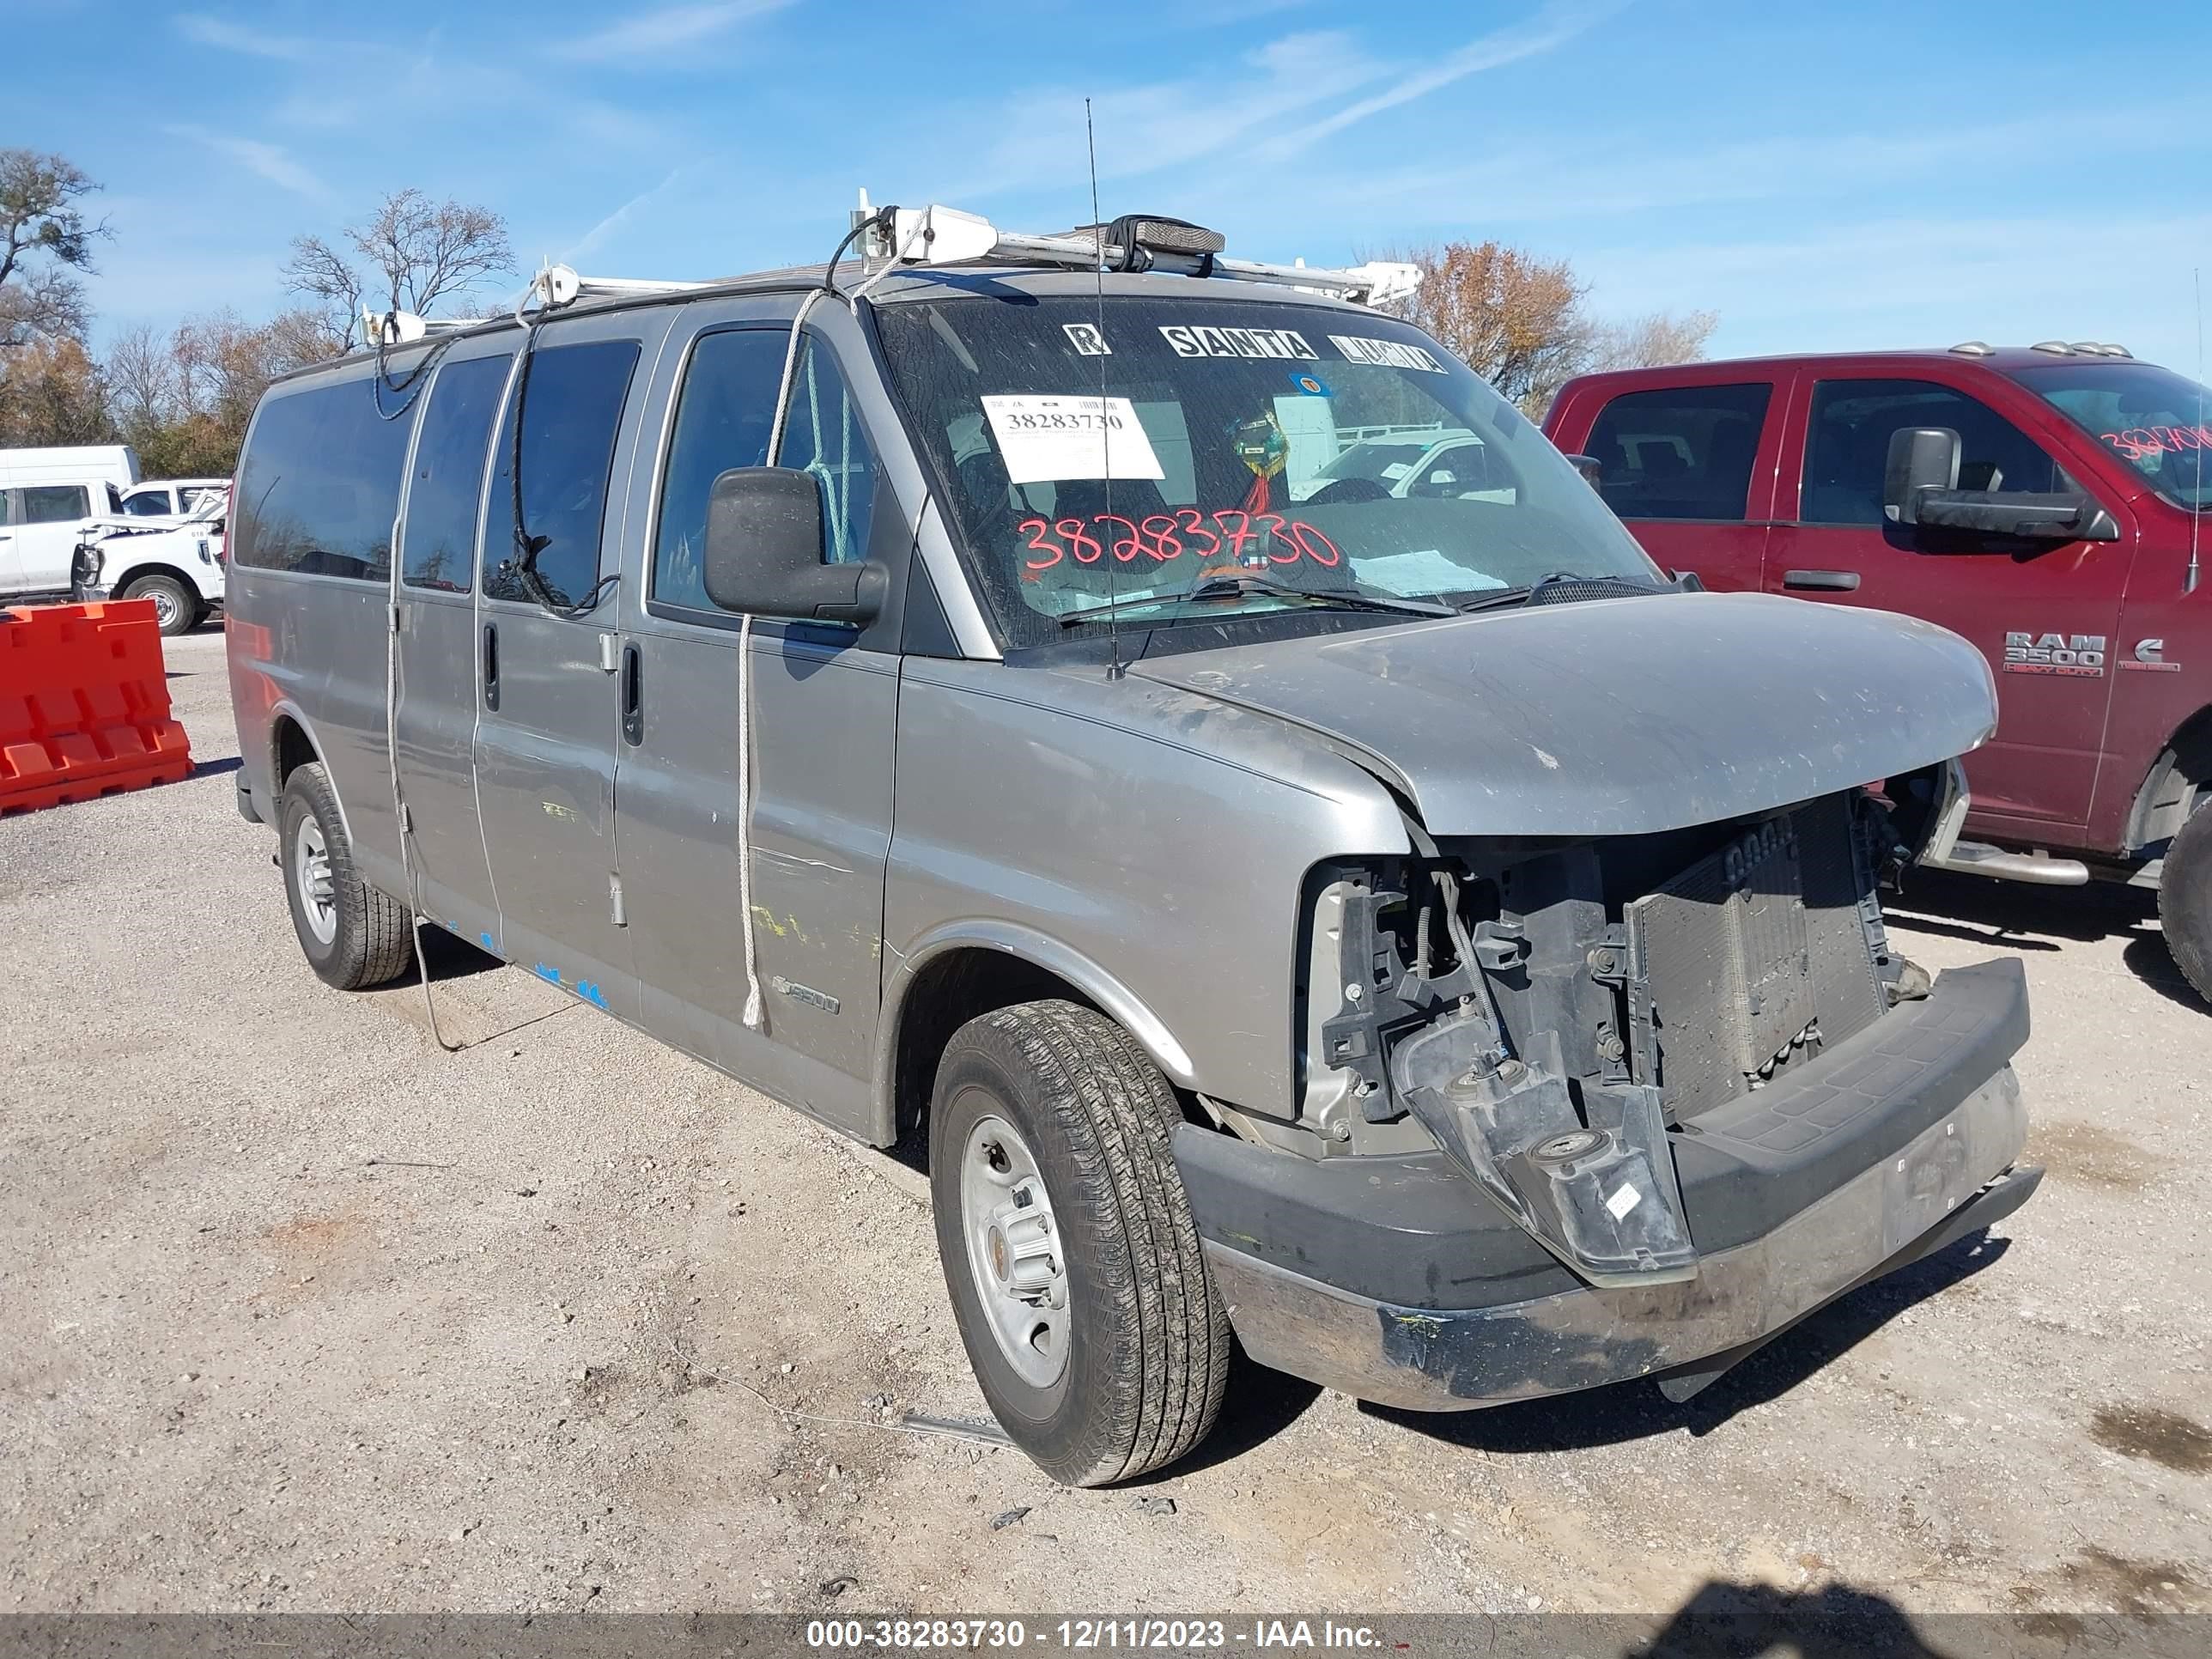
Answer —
84 704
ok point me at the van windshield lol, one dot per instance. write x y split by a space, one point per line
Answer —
1107 458
2159 420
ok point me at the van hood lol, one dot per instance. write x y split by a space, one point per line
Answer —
1617 717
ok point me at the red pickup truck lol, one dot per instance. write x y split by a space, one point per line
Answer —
2047 502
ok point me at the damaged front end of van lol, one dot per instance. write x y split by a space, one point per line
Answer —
1615 1073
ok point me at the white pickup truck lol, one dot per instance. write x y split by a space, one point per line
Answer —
175 561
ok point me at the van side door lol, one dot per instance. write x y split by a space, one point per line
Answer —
547 645
1689 467
824 704
2043 613
434 717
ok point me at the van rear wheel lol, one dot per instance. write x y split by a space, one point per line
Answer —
2184 896
1069 1249
353 936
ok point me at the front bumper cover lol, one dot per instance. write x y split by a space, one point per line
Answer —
1398 1284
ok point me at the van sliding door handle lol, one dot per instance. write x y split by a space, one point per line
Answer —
491 665
1823 581
633 695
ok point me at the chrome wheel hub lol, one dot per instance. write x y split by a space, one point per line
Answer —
165 608
1014 1250
311 875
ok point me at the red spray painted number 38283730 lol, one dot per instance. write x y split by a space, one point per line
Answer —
1228 532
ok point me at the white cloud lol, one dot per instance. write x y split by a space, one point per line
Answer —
614 221
1287 95
270 162
254 43
1554 26
665 30
1143 129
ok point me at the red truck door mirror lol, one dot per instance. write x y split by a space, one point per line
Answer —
1920 488
1920 458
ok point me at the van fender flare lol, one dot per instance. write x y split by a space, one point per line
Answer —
1040 950
285 708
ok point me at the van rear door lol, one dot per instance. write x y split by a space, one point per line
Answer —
435 718
548 644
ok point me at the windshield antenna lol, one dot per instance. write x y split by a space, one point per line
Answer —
2196 519
1105 436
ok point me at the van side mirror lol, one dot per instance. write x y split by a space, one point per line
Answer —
1920 488
1590 467
763 554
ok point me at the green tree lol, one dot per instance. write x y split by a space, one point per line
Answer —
44 243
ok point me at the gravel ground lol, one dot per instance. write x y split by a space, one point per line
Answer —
303 1313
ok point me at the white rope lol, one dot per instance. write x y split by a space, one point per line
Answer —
753 1015
746 815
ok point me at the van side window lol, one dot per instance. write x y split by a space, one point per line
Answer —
438 541
823 436
723 414
1683 452
574 412
1848 447
318 485
55 503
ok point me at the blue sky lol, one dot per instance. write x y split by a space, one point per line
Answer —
1822 177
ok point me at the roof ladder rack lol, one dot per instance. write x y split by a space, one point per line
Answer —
556 286
939 235
399 328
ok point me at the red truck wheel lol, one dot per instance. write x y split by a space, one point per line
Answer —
2184 899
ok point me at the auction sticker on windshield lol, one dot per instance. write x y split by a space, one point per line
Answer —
1045 439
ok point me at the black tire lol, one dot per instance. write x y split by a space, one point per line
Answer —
2185 898
369 941
1148 1338
181 607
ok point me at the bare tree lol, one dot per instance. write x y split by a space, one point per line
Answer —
39 221
1653 341
319 271
143 382
409 255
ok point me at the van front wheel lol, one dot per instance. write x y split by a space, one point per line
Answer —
353 937
2184 896
1068 1245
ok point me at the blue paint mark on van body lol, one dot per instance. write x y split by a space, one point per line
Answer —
550 976
589 990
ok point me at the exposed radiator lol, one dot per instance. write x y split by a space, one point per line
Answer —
1752 952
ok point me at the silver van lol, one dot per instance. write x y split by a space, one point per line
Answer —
1407 934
